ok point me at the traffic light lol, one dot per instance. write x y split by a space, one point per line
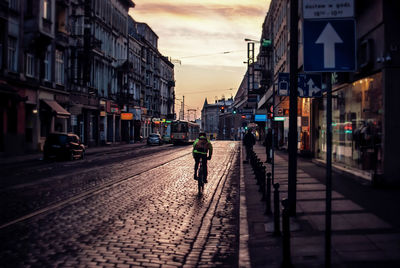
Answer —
243 116
270 115
222 109
234 111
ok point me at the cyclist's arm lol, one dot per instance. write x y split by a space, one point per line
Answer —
210 149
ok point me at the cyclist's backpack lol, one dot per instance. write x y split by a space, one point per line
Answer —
201 146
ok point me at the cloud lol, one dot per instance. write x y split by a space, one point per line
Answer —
200 10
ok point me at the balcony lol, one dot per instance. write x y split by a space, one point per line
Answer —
62 38
96 44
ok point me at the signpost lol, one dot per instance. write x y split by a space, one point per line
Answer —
329 46
308 85
318 9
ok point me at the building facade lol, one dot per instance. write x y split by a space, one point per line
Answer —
364 102
79 66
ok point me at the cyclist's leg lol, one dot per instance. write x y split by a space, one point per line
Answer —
196 166
204 159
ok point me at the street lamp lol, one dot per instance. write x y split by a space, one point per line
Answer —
251 40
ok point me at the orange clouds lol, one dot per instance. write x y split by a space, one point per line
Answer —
197 32
201 10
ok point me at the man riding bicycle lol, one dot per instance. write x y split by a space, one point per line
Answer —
201 147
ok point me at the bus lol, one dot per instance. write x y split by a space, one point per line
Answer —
183 132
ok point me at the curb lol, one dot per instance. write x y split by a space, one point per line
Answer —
244 256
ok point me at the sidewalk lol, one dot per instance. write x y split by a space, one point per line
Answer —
7 160
360 238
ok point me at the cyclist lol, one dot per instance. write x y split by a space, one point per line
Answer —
201 147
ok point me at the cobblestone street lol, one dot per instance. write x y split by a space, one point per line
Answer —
142 212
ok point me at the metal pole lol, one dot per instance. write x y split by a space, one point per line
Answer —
277 215
328 211
273 131
183 108
293 107
273 106
286 235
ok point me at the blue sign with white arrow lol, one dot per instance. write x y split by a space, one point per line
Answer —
329 45
308 85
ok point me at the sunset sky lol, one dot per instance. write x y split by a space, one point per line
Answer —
207 36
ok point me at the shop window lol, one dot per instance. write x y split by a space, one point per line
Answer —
356 125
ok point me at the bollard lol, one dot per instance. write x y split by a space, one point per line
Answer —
257 172
277 229
262 186
286 234
268 194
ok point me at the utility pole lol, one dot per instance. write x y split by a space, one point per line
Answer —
292 180
183 107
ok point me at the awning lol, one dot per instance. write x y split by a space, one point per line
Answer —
264 99
60 111
240 103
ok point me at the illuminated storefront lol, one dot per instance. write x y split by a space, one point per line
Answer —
357 114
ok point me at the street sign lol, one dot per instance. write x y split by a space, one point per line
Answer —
308 85
329 45
279 118
283 84
318 9
246 111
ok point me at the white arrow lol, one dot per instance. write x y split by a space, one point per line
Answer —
328 38
312 89
300 92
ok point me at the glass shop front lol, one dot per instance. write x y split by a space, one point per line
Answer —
357 114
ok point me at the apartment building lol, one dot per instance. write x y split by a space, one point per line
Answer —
77 66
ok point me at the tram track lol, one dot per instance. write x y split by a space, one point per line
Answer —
97 189
16 174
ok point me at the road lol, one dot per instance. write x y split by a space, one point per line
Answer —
121 209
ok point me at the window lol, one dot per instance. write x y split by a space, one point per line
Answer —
59 67
78 26
13 4
30 65
47 9
47 65
12 54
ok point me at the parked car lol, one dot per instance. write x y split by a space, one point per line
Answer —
154 139
166 138
63 146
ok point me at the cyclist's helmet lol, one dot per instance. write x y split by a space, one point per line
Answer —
202 135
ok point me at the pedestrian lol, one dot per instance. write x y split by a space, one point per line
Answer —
268 145
248 141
